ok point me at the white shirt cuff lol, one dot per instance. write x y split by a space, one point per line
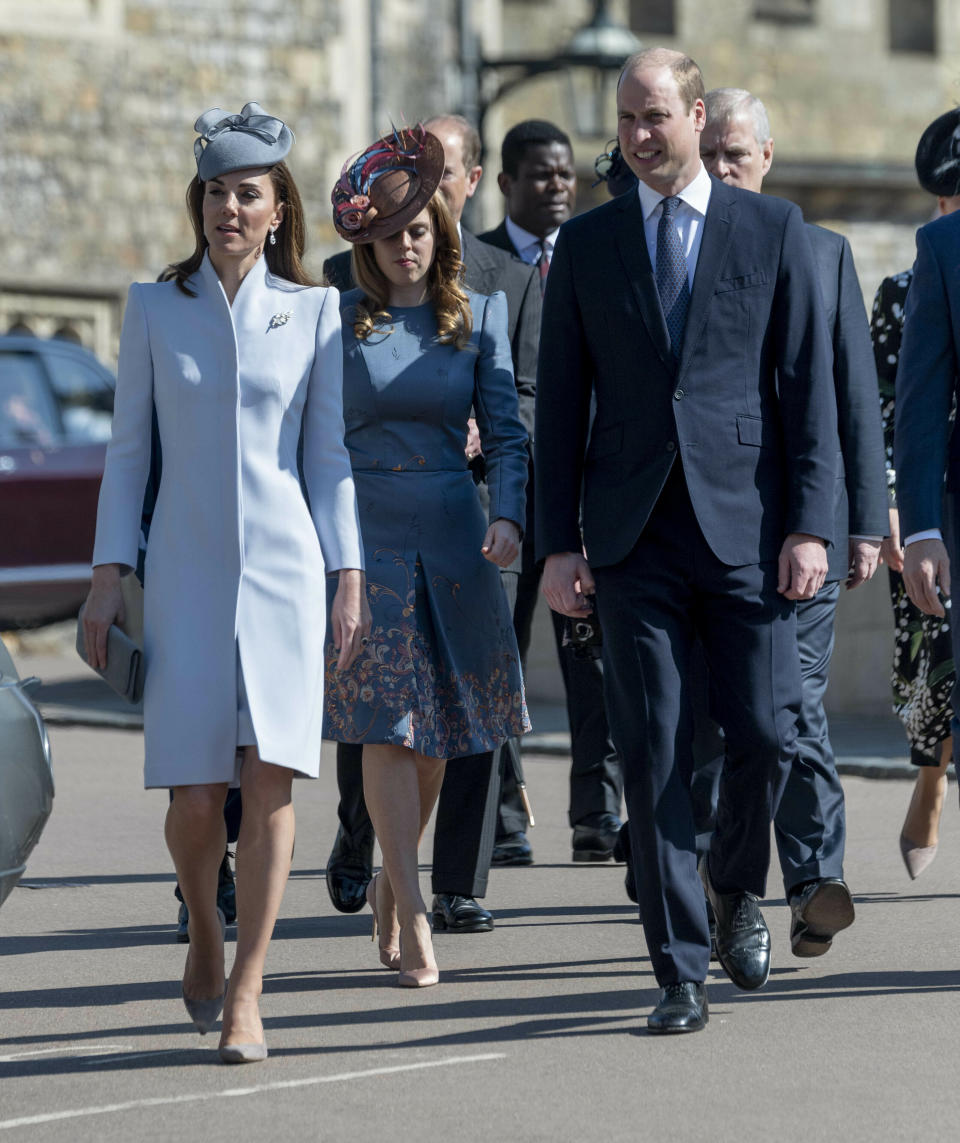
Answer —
929 534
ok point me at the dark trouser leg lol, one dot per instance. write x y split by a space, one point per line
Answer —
352 810
596 784
810 825
951 537
465 826
646 658
749 638
466 822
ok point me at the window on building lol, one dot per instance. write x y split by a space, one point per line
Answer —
785 11
913 26
655 17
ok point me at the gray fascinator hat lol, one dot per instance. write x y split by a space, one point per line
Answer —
938 155
235 142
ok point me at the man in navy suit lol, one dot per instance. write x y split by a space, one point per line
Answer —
926 447
690 312
810 826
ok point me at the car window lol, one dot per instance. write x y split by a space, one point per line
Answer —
28 410
85 398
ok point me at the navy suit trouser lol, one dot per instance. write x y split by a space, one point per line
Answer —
810 824
670 591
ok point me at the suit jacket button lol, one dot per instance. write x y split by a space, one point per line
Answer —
678 396
670 446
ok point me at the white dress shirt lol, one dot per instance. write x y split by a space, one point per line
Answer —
690 216
527 245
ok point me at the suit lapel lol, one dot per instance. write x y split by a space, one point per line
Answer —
477 264
718 229
632 246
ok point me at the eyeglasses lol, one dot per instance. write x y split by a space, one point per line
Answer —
604 164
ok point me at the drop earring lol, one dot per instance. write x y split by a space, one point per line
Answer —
273 238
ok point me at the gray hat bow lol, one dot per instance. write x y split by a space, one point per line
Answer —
251 138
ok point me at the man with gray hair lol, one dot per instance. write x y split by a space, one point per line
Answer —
736 147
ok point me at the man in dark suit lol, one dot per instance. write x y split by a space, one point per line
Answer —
690 312
466 811
926 445
810 826
539 183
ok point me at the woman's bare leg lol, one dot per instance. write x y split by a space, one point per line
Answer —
401 788
922 823
196 837
264 852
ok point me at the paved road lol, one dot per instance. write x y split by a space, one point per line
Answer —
536 1031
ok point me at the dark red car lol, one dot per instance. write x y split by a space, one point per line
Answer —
56 405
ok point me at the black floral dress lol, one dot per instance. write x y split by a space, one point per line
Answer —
923 675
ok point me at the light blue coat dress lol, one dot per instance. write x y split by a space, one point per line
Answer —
235 566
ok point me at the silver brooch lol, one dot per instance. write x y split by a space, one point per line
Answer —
280 319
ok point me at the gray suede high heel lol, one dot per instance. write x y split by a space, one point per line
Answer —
204 1013
916 857
243 1053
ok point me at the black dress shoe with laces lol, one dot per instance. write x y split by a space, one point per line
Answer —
683 1008
819 910
512 849
743 939
349 870
453 913
596 841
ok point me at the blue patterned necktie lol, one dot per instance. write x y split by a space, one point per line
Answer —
672 274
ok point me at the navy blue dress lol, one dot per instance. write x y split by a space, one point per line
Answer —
441 673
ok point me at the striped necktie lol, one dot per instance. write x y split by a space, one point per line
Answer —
672 274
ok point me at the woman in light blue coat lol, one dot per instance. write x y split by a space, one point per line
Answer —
238 353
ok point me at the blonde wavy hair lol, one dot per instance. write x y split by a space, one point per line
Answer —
445 289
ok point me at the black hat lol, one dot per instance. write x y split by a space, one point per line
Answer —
938 155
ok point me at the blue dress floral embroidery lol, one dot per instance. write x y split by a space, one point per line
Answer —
441 673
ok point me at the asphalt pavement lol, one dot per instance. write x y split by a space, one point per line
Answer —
536 1031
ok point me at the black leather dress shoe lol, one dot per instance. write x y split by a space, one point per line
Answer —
819 910
512 849
455 914
743 939
598 841
349 870
683 1008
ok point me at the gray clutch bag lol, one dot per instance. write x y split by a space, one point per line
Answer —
124 671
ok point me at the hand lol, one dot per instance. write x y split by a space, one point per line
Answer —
350 617
501 544
863 556
925 565
566 582
473 440
103 608
802 566
891 553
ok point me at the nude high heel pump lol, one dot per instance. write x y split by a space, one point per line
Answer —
416 977
204 1013
389 958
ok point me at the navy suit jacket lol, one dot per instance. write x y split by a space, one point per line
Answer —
750 409
861 503
924 446
487 270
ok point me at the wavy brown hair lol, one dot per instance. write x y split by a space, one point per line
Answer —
285 259
444 284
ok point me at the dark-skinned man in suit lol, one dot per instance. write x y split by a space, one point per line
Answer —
691 314
539 183
467 808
